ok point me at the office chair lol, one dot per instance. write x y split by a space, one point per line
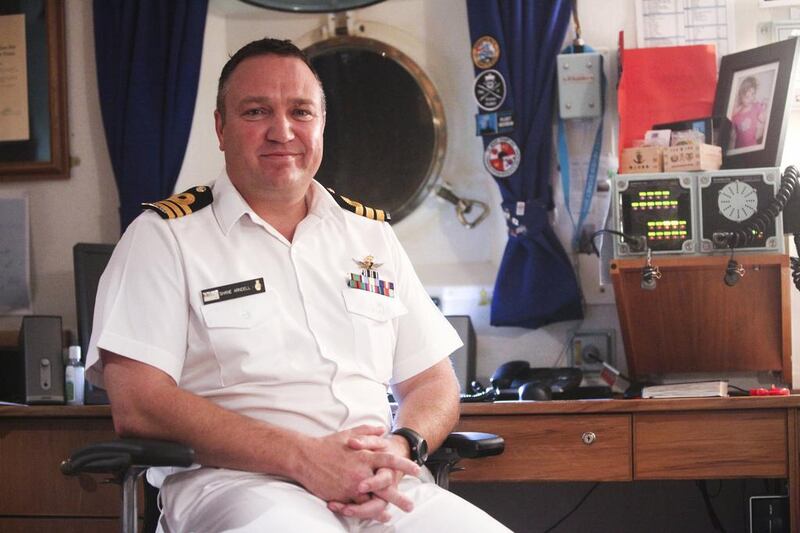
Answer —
127 459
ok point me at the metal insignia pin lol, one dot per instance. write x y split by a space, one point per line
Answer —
368 263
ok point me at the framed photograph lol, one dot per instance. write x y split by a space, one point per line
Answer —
33 91
753 94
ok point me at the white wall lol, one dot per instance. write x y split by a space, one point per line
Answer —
454 262
82 208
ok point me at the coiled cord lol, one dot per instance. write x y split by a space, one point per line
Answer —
794 263
790 184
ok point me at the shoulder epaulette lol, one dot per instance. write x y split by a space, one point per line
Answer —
359 208
182 204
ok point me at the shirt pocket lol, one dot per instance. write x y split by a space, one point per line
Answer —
246 337
374 330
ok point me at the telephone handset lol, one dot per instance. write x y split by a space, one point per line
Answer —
516 380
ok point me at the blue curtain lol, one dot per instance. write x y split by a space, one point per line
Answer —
148 64
535 284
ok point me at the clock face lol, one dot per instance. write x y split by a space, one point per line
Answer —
737 201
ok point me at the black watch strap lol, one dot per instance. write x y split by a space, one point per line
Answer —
418 445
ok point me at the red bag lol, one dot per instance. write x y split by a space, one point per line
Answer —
665 84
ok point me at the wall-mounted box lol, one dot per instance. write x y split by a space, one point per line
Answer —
579 85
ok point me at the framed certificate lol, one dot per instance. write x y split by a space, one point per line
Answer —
33 91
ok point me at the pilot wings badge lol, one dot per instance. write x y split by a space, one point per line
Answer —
369 280
368 263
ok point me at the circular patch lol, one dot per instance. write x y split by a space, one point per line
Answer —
490 90
501 158
485 52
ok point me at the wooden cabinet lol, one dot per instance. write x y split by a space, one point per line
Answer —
693 322
34 496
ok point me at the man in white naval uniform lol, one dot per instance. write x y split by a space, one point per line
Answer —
260 323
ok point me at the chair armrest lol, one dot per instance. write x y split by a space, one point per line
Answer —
466 445
117 456
472 444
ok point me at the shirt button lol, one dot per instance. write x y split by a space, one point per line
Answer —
245 314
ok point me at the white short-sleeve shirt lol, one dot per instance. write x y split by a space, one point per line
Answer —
233 312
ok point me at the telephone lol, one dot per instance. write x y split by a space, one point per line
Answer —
516 380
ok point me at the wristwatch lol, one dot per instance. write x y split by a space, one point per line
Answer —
418 445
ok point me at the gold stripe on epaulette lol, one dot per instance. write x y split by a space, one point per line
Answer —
182 204
359 208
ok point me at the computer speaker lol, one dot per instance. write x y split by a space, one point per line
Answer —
40 363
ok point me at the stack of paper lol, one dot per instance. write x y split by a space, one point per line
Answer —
699 389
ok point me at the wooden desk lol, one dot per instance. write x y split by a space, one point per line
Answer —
34 496
634 440
627 440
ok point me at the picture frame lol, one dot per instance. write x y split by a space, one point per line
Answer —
41 151
753 93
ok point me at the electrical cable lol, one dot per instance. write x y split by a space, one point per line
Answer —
790 184
577 505
712 514
638 243
739 391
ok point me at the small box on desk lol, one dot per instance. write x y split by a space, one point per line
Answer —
641 160
692 157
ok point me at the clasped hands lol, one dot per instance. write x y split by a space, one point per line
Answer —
357 472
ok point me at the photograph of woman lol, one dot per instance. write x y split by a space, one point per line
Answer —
749 108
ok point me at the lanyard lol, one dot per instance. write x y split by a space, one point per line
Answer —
594 160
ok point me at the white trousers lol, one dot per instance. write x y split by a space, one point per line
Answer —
211 500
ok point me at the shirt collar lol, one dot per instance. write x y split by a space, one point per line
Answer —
230 206
322 203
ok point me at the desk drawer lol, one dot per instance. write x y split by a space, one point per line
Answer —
551 448
31 484
711 444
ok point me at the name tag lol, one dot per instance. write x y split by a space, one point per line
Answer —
234 290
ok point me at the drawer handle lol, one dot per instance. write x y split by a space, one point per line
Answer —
588 438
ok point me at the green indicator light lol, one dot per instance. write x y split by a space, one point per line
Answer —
650 203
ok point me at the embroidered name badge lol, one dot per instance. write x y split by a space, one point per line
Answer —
234 290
